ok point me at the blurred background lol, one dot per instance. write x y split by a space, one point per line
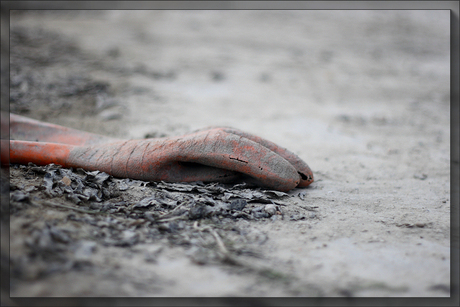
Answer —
285 74
363 96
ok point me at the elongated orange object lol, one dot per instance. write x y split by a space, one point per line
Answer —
216 154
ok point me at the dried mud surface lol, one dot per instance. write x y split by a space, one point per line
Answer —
361 96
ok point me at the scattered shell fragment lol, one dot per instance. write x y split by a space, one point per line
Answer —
270 209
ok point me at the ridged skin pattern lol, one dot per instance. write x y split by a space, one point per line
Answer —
216 154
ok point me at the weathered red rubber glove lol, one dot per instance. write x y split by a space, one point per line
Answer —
215 154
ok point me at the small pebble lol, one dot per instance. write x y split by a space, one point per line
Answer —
302 195
270 209
297 217
66 180
238 204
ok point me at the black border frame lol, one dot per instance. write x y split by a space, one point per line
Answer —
453 6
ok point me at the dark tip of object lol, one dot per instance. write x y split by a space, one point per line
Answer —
304 177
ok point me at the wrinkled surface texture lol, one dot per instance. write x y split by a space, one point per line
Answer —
361 96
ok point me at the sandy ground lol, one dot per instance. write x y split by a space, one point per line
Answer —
361 96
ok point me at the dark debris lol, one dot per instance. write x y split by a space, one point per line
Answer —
124 212
162 200
78 185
